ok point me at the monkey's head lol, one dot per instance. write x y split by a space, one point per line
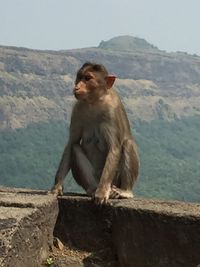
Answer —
92 82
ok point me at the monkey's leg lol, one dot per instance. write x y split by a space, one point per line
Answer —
129 166
82 170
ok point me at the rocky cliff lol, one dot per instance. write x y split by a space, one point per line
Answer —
37 85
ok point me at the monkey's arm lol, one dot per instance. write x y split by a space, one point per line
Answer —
64 166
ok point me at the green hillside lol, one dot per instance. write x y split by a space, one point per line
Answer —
169 151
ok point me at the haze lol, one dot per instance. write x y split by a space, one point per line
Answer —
171 25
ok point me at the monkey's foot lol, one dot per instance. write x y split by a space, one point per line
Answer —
117 193
57 190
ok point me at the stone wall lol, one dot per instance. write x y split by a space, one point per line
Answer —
124 233
27 220
150 233
141 233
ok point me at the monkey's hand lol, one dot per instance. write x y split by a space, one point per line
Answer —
57 190
102 195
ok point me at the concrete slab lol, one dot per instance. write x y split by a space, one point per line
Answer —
27 220
125 233
140 232
171 208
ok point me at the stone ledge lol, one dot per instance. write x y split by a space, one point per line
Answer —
152 233
124 233
141 232
168 208
27 219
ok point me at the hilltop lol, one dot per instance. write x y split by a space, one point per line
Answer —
37 85
127 43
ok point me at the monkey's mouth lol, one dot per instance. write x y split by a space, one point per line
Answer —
78 95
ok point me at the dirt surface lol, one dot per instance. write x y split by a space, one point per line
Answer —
71 257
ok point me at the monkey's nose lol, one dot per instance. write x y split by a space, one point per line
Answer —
76 88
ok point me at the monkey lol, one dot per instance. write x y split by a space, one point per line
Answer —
101 151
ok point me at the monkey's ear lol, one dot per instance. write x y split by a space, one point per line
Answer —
110 79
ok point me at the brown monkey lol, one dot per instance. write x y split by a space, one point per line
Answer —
101 151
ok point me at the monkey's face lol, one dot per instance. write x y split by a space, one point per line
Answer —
89 86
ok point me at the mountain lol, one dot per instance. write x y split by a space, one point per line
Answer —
127 43
37 85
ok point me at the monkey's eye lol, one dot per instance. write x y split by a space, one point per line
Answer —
87 78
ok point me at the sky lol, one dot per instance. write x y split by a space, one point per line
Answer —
171 25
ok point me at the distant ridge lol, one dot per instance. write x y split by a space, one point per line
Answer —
127 43
36 85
